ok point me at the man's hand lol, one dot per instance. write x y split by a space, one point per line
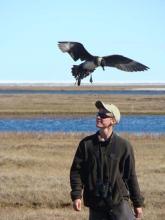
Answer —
138 212
77 204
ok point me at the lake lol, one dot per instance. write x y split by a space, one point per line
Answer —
84 92
151 124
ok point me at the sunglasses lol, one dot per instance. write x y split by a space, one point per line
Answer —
103 115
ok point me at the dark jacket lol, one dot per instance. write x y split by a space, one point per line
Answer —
104 172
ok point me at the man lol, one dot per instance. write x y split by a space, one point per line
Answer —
103 169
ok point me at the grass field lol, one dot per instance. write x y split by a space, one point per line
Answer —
34 175
34 105
34 167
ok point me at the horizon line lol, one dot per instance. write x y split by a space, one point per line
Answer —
2 82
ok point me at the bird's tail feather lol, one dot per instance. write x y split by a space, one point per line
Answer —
79 71
75 71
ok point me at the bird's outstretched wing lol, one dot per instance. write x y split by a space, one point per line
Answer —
124 63
75 49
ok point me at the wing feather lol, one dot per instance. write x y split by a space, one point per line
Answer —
124 63
75 49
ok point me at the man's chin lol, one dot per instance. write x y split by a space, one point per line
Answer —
99 126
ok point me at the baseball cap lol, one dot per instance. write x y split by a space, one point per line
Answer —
110 108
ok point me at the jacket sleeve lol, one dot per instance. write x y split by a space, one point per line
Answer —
131 179
76 173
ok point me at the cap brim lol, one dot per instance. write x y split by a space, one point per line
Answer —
99 104
109 108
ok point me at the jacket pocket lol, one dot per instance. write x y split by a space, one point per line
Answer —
122 186
113 164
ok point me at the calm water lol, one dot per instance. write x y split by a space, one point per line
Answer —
79 92
132 124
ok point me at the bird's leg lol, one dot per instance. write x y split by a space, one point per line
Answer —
91 80
79 82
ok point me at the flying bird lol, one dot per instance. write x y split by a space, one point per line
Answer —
77 51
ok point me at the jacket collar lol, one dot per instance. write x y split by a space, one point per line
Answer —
108 141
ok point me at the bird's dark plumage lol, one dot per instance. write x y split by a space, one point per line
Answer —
78 51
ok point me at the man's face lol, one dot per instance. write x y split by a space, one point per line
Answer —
102 120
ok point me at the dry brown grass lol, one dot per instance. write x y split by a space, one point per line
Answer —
29 105
34 177
56 105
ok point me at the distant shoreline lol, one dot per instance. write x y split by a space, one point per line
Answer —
36 105
71 86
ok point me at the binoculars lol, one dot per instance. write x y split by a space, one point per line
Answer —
103 190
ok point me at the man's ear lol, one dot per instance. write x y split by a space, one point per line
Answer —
114 121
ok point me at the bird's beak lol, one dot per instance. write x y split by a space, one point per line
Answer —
102 67
102 64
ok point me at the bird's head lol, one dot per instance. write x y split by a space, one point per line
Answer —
99 61
102 63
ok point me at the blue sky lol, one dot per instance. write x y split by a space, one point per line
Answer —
30 30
